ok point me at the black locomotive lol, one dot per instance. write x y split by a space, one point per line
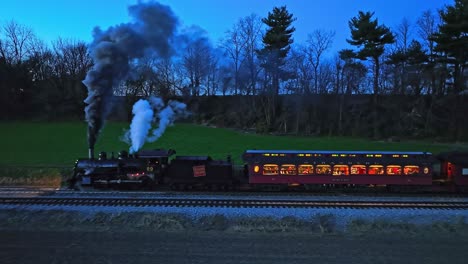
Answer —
150 168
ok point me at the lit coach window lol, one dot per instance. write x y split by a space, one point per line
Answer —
306 169
270 169
411 169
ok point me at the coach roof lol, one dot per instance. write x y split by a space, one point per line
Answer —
335 152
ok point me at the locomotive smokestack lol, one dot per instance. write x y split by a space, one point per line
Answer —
91 153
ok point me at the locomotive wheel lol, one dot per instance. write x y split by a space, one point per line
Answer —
82 188
147 183
75 183
181 187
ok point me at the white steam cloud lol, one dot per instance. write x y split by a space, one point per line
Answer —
144 115
141 124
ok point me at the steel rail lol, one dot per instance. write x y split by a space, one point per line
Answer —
170 202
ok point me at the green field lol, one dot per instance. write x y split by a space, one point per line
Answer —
51 144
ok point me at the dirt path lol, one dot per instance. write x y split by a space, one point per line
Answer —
212 247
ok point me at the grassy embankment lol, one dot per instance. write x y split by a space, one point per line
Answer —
55 146
318 224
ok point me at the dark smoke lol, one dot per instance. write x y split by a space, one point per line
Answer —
151 31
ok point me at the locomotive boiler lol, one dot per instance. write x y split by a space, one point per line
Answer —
144 169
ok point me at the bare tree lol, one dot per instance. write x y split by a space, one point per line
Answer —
317 43
403 34
73 58
169 79
353 73
325 77
428 24
300 83
42 62
196 62
300 67
251 34
18 42
17 59
397 60
234 44
72 61
213 77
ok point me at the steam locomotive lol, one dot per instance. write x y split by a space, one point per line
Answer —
276 170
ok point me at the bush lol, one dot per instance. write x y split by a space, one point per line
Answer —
50 177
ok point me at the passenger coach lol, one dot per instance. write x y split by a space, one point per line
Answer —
297 167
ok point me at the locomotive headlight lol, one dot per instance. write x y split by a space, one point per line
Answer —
426 170
256 168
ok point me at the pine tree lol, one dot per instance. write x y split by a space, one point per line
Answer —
370 38
277 43
452 40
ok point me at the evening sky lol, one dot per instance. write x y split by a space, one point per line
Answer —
51 19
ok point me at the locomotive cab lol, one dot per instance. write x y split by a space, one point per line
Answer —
156 163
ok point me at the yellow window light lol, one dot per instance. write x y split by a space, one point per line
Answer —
256 168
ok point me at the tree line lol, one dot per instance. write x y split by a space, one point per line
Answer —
257 57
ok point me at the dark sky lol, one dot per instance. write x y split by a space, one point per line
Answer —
51 19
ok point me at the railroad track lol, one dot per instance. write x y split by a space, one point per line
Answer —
56 192
170 202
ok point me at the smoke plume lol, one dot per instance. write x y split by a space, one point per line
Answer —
151 31
156 103
143 111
